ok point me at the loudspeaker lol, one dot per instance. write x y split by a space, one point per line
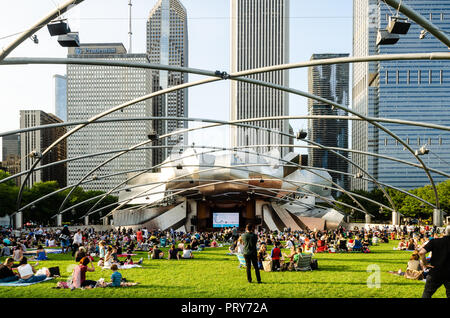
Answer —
194 220
258 220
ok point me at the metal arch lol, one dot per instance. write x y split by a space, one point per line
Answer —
235 167
250 146
238 123
40 24
241 79
338 60
416 17
188 85
216 121
236 150
238 181
389 132
297 203
98 116
220 182
219 149
101 121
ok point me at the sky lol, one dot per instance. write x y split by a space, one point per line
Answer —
321 26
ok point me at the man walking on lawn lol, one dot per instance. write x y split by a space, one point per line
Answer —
250 254
440 264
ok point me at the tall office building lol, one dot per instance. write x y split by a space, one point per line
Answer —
167 44
37 141
259 37
10 145
11 154
60 96
332 83
409 90
94 89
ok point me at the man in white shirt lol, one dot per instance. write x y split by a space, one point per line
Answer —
77 241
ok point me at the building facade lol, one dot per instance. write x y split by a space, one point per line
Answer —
37 141
408 90
94 89
10 146
167 44
259 37
60 82
332 83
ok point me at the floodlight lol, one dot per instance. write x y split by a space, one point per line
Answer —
386 38
398 25
302 134
69 40
179 166
58 27
152 136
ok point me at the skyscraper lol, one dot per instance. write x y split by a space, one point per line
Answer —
11 154
37 141
409 90
10 145
167 44
330 82
94 89
259 37
60 96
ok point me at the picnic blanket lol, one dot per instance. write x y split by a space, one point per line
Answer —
48 251
16 284
127 266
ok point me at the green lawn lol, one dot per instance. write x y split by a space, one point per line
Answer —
214 274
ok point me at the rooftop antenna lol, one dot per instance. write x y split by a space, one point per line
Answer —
129 31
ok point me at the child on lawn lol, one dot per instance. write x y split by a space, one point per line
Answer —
116 277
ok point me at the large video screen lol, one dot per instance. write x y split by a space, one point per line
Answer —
228 219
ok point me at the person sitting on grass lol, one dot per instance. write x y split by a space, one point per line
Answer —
6 273
357 245
174 252
402 245
41 255
116 277
79 274
80 254
291 254
27 273
18 253
157 253
411 246
187 252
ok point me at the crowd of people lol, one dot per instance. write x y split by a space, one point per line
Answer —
108 246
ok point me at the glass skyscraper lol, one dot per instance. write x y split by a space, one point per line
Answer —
60 96
330 82
408 90
259 38
167 44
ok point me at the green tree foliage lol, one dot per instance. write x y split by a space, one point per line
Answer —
407 205
8 195
43 211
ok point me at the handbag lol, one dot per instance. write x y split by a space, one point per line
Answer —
414 274
64 237
267 265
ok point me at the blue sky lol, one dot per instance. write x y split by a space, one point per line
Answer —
321 26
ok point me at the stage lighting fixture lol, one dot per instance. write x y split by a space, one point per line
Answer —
398 25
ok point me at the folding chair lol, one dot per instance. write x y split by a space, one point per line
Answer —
304 262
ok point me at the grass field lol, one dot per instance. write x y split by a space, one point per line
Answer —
214 274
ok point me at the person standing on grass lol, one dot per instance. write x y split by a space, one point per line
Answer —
250 254
439 273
